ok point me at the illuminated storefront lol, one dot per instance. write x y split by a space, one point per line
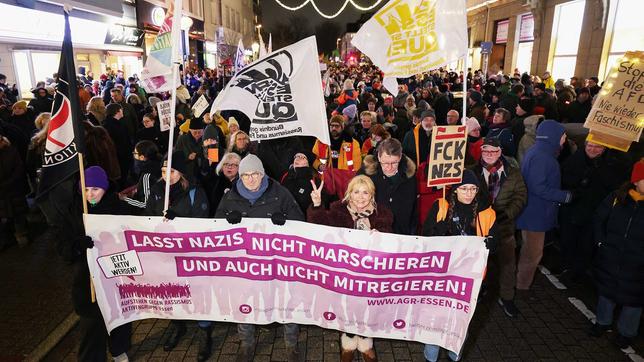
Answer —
31 40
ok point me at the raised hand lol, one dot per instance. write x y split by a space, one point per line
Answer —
316 194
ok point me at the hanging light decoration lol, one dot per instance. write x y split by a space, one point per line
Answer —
346 2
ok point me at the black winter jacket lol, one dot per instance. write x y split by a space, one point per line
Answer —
397 194
619 261
183 204
275 199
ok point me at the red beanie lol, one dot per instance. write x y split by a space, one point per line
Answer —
638 171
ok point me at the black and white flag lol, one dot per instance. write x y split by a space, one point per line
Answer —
280 93
64 136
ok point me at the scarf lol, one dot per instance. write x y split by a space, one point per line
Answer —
361 219
252 196
493 181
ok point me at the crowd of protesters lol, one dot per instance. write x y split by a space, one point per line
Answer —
530 180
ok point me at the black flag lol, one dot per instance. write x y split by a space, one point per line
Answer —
65 134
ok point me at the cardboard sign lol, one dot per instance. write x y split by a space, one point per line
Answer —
618 110
608 141
164 109
200 106
447 155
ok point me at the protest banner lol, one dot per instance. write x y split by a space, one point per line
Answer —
164 110
447 155
200 106
368 283
618 110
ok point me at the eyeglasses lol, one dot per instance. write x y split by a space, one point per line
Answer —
248 176
488 152
231 165
471 190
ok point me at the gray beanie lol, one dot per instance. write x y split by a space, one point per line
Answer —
250 164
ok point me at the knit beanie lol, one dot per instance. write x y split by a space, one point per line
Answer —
178 162
196 123
350 111
95 176
210 132
469 178
472 124
476 96
250 164
527 104
638 171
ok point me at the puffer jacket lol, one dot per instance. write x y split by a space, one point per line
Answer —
275 199
399 196
542 176
511 198
619 260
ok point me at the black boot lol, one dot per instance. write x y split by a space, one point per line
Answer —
205 343
178 329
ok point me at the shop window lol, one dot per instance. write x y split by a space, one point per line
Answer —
23 74
624 32
566 30
32 67
524 56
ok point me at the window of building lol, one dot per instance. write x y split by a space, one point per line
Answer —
32 67
623 32
566 30
526 39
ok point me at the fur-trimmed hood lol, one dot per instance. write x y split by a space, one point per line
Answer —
406 166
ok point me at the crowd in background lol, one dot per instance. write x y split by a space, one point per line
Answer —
531 179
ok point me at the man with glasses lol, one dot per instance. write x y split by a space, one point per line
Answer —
343 153
256 195
394 175
502 184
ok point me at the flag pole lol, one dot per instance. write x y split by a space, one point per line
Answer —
176 21
81 164
467 52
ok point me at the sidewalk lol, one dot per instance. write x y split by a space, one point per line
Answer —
36 295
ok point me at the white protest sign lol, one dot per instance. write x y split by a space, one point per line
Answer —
120 264
200 106
164 109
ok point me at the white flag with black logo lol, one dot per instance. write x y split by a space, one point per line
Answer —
280 93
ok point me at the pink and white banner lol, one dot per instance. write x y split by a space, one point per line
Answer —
368 283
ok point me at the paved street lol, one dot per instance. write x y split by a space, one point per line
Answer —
549 328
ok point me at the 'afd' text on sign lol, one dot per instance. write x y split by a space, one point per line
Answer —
447 155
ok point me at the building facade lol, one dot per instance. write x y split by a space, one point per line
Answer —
105 36
150 15
226 22
566 37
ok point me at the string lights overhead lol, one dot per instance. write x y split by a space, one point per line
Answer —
346 2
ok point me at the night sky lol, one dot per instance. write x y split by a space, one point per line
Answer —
273 13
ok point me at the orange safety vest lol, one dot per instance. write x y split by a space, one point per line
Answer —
484 220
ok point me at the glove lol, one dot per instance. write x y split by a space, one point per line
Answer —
278 218
234 217
490 244
84 242
170 215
